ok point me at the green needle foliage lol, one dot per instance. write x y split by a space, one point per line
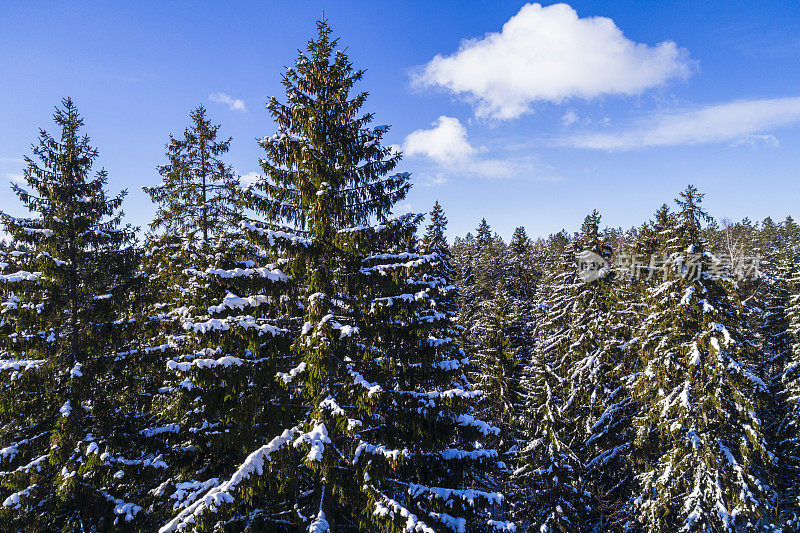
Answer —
68 435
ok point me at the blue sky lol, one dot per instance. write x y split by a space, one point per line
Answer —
524 114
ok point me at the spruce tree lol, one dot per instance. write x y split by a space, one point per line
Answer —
496 318
483 234
763 266
220 323
499 374
388 439
588 413
198 192
788 432
70 443
525 275
483 270
435 238
524 272
702 457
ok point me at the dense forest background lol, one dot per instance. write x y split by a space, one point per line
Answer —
291 356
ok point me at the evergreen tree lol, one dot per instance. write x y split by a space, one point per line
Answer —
703 460
497 326
761 262
525 275
484 271
220 324
495 313
551 254
435 239
589 412
198 191
70 443
524 272
788 432
549 495
483 234
388 439
499 375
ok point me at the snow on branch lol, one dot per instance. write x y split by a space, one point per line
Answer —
273 235
317 438
254 464
468 495
483 427
320 524
169 428
14 500
22 275
395 221
388 507
123 508
21 364
358 379
224 324
223 362
391 455
293 373
231 301
272 274
452 454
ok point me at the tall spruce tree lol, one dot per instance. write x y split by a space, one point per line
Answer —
523 269
69 439
702 456
219 324
525 275
584 432
493 313
388 440
762 263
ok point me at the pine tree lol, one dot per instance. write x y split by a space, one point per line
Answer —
69 441
388 439
703 460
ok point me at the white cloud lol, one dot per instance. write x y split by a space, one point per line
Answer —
446 144
569 118
550 54
235 104
402 209
428 180
17 178
754 140
740 122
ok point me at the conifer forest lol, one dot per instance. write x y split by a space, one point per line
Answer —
290 355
